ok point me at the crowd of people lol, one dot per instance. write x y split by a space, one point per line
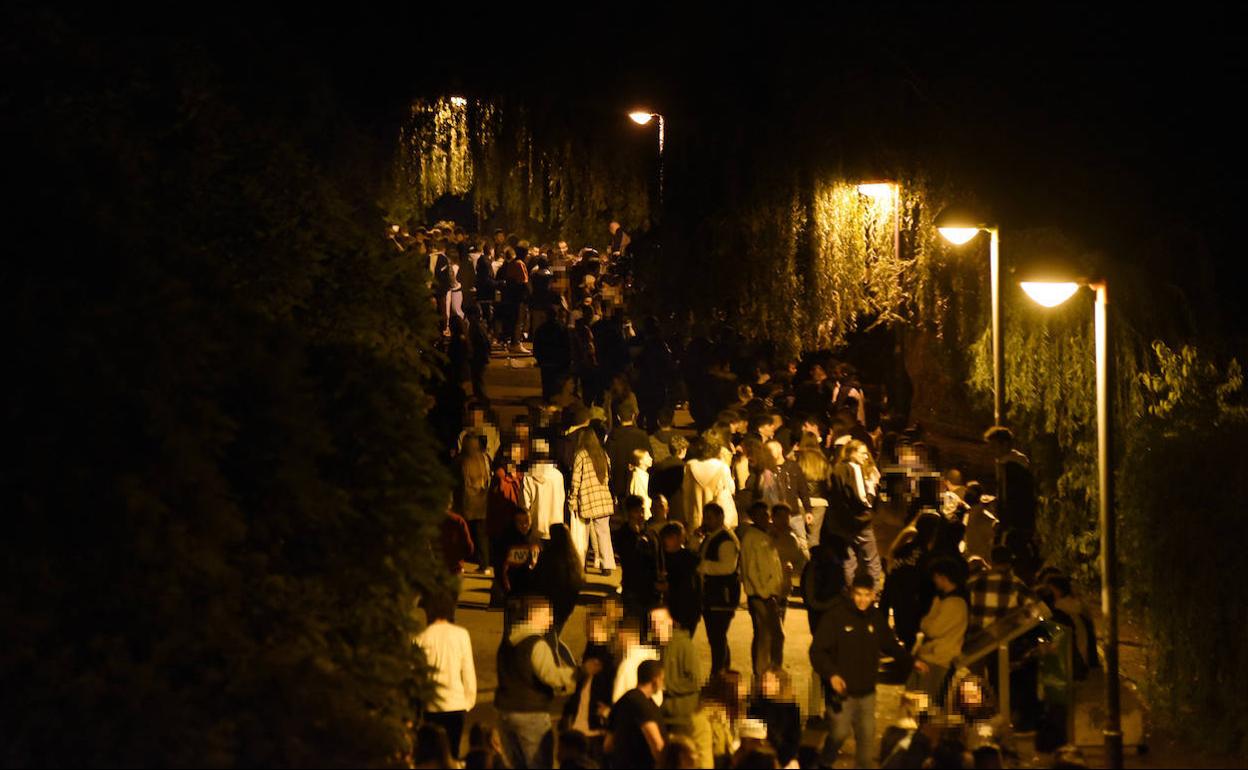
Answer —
780 486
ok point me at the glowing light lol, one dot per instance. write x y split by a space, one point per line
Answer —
1049 294
458 101
959 235
641 118
394 228
877 190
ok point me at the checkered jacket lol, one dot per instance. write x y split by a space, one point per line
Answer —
993 594
589 497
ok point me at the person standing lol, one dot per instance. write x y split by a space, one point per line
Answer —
682 671
636 736
448 654
707 479
590 497
543 490
762 576
638 558
721 589
853 512
981 526
474 487
530 675
678 582
822 586
552 348
622 442
457 546
846 652
558 575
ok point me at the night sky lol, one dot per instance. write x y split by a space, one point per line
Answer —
1119 127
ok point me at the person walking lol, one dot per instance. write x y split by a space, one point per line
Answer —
762 576
448 654
721 588
590 497
530 675
846 651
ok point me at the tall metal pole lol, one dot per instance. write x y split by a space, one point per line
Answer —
662 128
998 359
1109 534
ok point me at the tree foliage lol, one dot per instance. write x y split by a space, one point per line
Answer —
226 490
1184 478
535 167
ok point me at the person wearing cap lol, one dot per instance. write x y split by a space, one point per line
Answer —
846 650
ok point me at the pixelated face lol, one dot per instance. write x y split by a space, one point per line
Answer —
517 452
863 598
770 684
661 625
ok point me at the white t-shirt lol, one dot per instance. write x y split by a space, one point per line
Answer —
448 650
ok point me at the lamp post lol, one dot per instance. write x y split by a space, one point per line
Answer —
881 191
641 118
958 226
1051 290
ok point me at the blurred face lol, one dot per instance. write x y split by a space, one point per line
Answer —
776 451
942 583
563 248
671 543
645 462
659 507
523 522
661 625
817 373
500 238
636 516
541 617
478 417
713 521
863 598
770 685
861 455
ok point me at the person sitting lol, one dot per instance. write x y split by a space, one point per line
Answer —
943 628
773 703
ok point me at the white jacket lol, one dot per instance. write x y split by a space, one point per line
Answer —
544 496
708 481
448 651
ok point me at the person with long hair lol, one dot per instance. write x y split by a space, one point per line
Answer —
559 575
716 720
908 591
708 480
474 488
851 501
774 703
590 497
816 469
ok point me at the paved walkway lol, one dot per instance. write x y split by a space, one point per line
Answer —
510 382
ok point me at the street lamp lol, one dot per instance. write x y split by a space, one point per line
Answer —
641 118
1051 288
884 191
958 225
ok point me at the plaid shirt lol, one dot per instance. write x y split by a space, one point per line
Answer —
589 497
993 594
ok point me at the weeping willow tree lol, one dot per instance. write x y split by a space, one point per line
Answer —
534 168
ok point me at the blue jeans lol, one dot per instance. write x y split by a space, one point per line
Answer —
857 717
798 525
522 733
862 547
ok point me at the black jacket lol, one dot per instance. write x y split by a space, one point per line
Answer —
849 643
847 513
